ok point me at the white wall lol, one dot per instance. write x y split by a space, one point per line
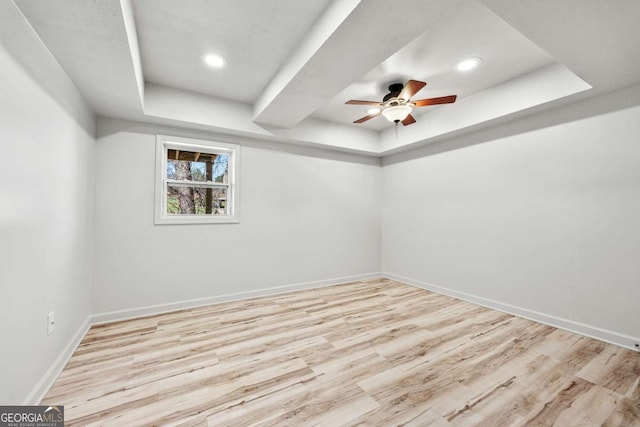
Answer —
302 219
46 214
546 221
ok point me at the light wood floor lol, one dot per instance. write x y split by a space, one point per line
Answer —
372 353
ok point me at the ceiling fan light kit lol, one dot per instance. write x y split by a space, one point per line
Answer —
396 106
397 113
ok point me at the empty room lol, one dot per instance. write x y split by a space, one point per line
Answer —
322 212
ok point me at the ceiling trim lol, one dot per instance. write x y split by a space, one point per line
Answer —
134 48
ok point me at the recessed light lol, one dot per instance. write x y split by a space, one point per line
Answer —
468 64
374 110
213 60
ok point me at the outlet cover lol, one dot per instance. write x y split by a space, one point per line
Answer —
51 322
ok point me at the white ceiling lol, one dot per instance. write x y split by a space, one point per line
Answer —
470 31
292 64
173 35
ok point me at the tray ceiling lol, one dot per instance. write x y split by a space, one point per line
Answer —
291 65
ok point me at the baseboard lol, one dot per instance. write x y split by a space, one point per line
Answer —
42 387
133 313
605 335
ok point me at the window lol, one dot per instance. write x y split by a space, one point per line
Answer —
196 181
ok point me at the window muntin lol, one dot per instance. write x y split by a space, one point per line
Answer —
195 181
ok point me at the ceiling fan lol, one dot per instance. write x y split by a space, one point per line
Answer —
396 106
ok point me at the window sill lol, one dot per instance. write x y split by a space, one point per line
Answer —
188 219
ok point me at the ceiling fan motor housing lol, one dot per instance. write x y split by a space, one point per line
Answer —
394 91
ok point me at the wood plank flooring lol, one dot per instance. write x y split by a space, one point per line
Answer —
375 353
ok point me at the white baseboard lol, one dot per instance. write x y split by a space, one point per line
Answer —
132 313
42 387
605 335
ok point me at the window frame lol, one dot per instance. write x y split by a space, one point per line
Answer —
166 142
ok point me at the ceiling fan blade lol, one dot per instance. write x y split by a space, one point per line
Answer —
365 118
356 102
411 88
435 101
409 120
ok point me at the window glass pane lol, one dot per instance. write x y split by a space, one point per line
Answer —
198 171
194 166
196 201
186 171
171 169
221 168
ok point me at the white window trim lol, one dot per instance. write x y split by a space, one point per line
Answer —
163 143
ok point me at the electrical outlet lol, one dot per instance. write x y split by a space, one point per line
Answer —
51 323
